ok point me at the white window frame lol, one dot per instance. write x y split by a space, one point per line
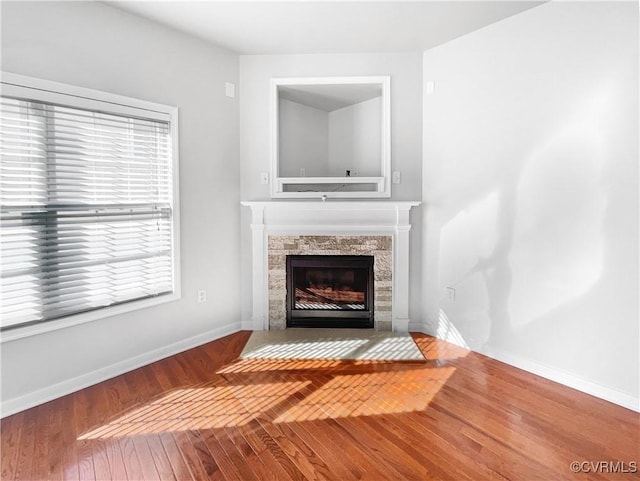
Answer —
12 84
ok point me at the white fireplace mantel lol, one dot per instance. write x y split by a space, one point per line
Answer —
331 218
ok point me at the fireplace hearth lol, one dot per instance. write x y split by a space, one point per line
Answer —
330 291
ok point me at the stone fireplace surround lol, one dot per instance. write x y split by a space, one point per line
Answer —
279 247
378 228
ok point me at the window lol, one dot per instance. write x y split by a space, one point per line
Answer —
88 203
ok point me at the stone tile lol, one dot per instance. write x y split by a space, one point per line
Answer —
382 276
378 246
383 326
278 300
276 260
277 324
277 285
275 243
385 243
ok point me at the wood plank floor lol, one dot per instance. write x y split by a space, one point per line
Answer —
205 415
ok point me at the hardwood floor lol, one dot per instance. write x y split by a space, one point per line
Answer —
204 415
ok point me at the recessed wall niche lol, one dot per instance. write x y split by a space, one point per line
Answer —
330 137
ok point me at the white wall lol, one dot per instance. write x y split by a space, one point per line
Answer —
405 70
304 139
355 139
328 143
530 176
96 46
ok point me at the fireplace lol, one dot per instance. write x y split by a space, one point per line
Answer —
377 228
330 291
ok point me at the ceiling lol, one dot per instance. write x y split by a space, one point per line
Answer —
300 27
330 97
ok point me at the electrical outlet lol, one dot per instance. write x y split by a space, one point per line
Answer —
202 296
303 172
451 294
264 178
396 177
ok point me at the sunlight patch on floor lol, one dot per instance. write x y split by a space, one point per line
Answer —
441 352
360 344
282 397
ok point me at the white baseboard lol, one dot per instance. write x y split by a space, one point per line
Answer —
415 326
26 401
567 379
552 373
401 324
247 325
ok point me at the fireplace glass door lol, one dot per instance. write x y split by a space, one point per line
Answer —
330 291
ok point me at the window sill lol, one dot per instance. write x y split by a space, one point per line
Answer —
84 318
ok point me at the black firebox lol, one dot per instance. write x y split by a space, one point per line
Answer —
330 291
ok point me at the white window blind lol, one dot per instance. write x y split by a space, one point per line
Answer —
87 210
